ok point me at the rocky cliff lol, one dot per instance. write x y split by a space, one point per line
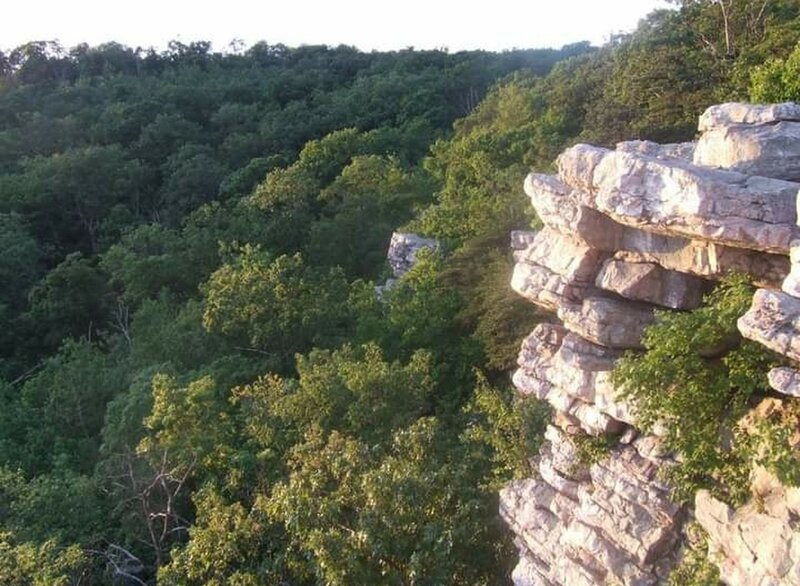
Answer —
627 231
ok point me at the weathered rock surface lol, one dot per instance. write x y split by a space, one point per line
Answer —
678 198
769 150
627 231
559 207
774 321
791 284
645 281
608 322
402 254
732 113
678 150
606 524
758 543
555 269
572 375
521 239
702 258
785 380
538 350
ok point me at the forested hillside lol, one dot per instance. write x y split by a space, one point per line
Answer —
198 384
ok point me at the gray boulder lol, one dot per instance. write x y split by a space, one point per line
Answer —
774 321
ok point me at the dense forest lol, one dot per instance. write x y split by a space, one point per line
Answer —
198 383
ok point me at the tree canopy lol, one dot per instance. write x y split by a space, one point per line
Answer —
198 383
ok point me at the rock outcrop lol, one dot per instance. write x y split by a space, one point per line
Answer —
629 231
402 254
611 522
403 250
758 543
755 140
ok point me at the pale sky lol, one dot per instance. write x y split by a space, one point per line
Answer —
367 24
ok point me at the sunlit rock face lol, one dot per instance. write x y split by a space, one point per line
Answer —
610 522
758 543
773 321
754 140
673 197
628 232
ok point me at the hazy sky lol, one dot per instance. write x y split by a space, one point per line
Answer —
367 24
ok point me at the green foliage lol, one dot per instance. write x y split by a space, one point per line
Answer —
777 80
72 300
47 564
193 178
478 170
360 209
64 507
168 332
145 261
694 568
69 196
279 306
653 86
57 415
242 181
188 424
125 414
165 135
509 426
421 308
354 486
20 268
229 545
120 157
19 265
590 449
421 313
212 222
356 511
497 315
695 380
354 390
357 392
773 441
286 197
152 258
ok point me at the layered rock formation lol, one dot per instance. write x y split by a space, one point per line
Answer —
629 231
758 543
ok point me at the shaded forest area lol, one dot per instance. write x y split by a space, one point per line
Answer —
198 384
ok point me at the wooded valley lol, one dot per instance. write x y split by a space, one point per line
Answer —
198 383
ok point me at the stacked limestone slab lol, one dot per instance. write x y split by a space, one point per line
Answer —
629 231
